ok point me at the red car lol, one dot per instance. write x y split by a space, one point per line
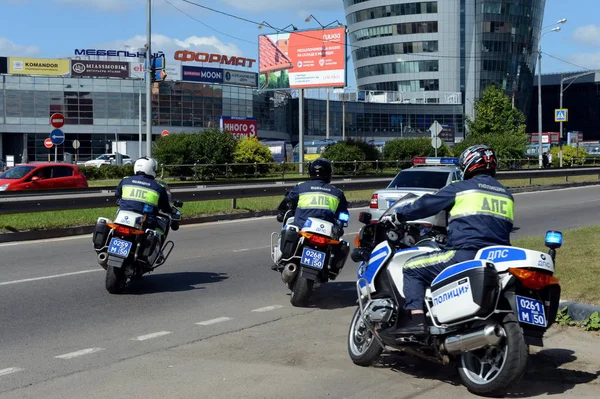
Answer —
42 176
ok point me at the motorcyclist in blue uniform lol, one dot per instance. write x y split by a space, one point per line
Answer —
316 198
141 193
480 214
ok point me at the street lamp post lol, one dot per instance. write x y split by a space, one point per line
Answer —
149 81
540 144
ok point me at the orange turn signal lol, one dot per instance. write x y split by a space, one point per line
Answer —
124 230
317 239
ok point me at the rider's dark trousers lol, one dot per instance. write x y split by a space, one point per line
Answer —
421 270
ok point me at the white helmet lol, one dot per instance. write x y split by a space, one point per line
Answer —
145 165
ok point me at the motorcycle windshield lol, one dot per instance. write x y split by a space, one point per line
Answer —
407 199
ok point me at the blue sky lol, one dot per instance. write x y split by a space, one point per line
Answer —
54 28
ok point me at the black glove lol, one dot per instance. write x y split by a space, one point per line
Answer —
280 217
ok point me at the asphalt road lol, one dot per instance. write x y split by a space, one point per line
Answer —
60 324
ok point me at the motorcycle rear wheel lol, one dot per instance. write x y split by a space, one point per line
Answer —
363 348
301 291
491 371
115 280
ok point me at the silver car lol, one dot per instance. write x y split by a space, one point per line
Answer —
427 175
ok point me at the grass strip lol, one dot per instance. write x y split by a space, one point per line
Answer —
576 264
85 217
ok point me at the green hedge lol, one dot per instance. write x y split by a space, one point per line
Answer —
106 172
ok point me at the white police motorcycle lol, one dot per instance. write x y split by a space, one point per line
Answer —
313 254
482 313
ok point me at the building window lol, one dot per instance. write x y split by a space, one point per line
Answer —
397 67
397 29
393 10
396 48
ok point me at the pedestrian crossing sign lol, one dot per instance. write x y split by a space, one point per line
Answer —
560 115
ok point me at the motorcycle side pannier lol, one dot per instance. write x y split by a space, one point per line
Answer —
465 290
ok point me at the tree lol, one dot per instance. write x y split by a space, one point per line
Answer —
495 115
406 149
250 150
496 124
344 153
571 156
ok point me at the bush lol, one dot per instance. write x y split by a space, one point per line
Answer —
506 146
571 156
250 150
107 172
210 147
343 154
406 149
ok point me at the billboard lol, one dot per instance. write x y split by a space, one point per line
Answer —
201 74
3 65
303 59
103 69
239 127
240 78
39 66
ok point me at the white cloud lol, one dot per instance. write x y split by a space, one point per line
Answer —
586 60
589 34
169 45
260 6
9 48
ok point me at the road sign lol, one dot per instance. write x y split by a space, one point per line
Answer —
436 142
164 133
435 128
57 120
76 144
48 143
57 136
561 115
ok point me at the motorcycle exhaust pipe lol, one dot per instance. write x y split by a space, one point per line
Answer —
489 335
103 259
289 272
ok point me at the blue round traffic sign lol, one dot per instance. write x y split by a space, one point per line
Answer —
57 136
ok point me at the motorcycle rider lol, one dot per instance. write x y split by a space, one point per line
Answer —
142 194
315 198
480 214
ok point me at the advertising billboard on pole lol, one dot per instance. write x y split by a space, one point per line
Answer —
302 59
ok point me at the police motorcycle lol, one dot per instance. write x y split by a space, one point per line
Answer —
483 313
309 256
127 249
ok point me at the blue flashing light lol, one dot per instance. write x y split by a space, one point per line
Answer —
554 238
434 161
344 217
148 208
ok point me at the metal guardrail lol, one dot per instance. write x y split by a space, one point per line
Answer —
10 204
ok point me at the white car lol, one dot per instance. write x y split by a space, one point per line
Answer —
427 175
107 159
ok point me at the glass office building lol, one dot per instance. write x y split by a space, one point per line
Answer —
447 51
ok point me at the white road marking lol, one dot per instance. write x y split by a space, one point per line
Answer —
9 370
214 321
150 336
27 280
267 308
250 249
49 240
79 353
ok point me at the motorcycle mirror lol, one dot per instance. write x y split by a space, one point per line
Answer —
178 203
365 217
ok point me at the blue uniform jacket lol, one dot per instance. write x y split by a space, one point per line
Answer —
316 199
480 212
137 191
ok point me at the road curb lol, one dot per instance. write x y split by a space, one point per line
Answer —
80 230
578 311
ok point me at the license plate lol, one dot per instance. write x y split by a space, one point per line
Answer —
313 258
531 311
119 247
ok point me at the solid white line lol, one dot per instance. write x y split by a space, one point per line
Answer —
214 321
9 370
79 353
48 240
150 336
27 280
267 308
250 249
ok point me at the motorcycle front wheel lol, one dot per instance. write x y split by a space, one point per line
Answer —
363 348
492 370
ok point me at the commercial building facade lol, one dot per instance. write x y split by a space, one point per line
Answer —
445 52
